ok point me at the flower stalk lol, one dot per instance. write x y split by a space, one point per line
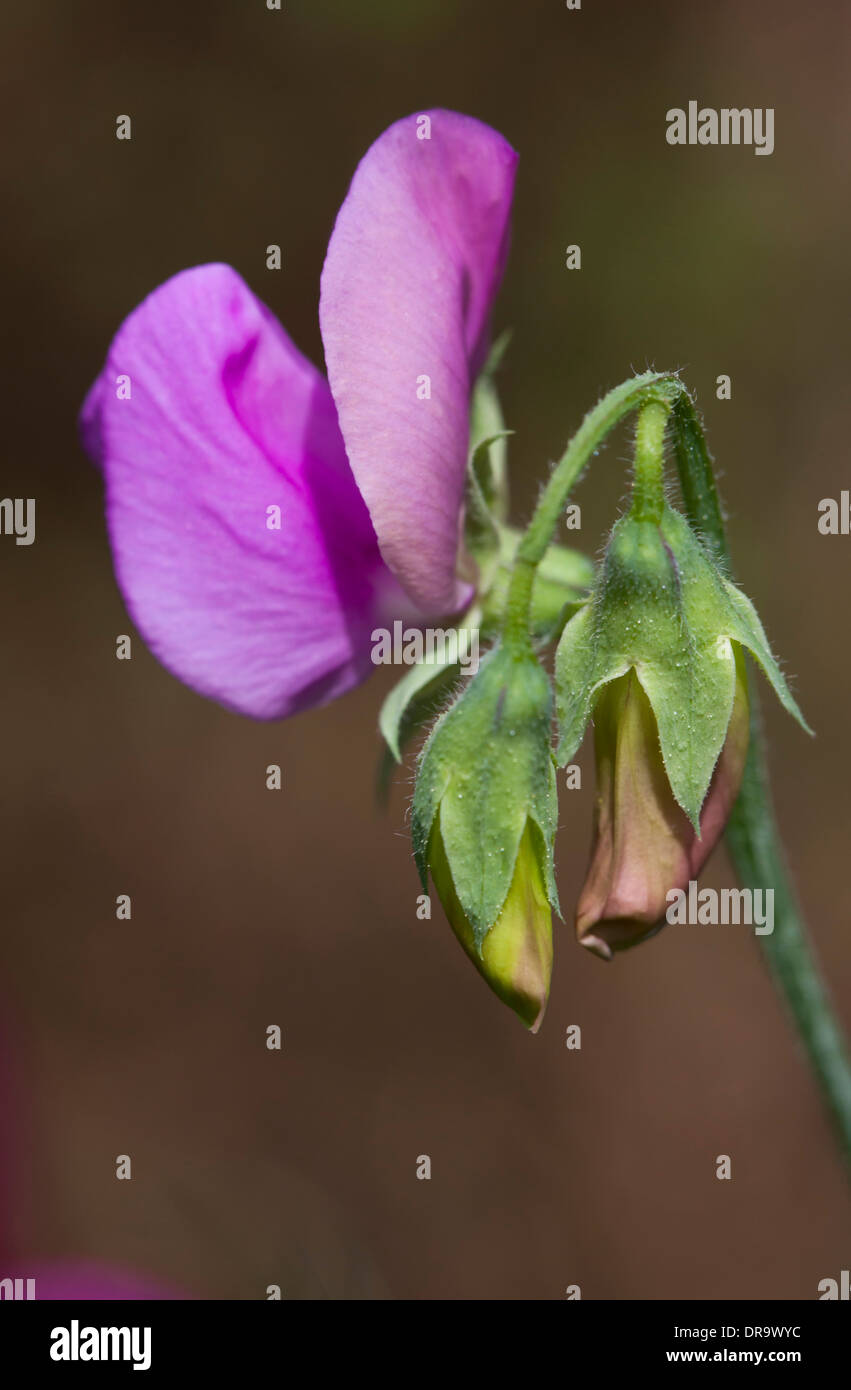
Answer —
752 836
598 423
648 492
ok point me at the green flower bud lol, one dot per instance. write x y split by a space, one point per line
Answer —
516 956
664 615
483 820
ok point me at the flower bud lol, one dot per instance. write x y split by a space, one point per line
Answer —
644 844
657 655
483 821
516 956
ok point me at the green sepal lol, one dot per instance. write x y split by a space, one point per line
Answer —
583 664
488 768
412 700
488 433
750 632
481 529
662 607
418 688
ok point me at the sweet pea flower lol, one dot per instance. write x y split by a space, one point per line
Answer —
264 520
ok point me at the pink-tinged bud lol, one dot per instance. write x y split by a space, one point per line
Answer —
644 843
516 956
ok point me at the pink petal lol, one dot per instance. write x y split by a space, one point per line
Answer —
226 419
413 265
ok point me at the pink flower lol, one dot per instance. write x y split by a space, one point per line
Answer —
206 419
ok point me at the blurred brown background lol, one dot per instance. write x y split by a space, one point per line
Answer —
550 1167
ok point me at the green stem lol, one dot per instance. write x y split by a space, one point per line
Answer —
755 847
753 838
518 603
651 386
648 489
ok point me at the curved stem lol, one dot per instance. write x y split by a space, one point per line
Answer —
651 386
752 835
755 847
